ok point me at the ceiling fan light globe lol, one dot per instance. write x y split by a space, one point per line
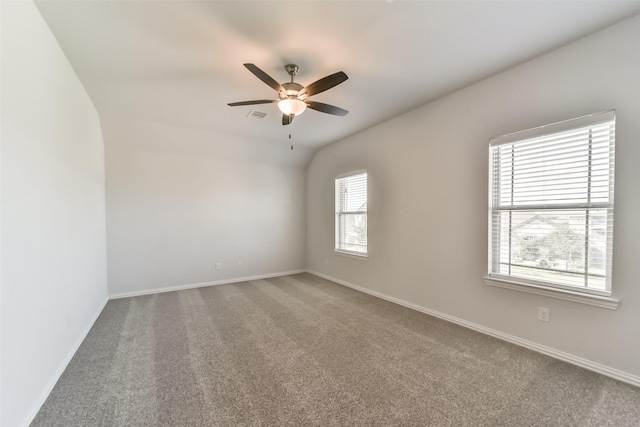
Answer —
292 106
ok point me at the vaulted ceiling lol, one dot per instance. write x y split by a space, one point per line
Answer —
180 62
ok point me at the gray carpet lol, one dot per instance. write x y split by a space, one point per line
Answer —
300 350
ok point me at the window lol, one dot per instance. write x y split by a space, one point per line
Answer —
351 213
551 205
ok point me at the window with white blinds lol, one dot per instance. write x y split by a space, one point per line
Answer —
351 213
551 205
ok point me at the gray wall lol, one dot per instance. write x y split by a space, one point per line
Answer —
428 192
181 200
53 260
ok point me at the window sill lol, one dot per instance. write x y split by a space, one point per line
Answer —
567 295
361 257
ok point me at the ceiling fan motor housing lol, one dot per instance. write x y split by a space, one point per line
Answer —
291 89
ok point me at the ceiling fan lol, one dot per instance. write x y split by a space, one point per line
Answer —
293 97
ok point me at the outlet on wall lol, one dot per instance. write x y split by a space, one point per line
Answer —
239 263
543 314
218 265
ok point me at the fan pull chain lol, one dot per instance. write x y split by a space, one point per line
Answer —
291 144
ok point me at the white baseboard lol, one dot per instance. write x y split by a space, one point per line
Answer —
202 284
58 373
557 354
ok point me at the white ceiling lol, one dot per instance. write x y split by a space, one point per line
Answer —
180 63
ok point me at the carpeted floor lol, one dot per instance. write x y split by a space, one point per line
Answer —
300 350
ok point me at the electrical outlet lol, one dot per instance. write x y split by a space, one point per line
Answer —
218 265
239 264
543 314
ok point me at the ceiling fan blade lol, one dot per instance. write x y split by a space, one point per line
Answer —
287 119
259 101
264 77
323 84
326 108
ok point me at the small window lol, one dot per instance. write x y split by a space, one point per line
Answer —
551 205
351 213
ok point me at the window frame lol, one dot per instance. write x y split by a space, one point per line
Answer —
547 287
338 212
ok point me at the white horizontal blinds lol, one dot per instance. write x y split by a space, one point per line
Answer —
351 213
552 204
569 168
